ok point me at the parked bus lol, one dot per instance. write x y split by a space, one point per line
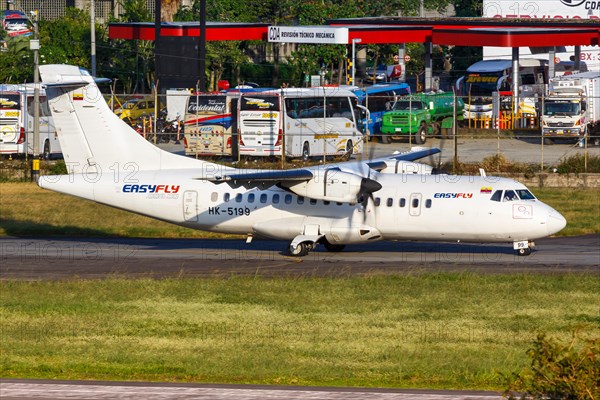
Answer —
301 122
208 125
17 122
378 99
488 76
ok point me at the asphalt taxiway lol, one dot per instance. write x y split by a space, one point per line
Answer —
38 389
52 258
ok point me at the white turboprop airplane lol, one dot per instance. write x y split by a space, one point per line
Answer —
335 205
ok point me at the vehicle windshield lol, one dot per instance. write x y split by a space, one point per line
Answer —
408 105
130 104
15 23
561 108
481 84
256 102
9 101
207 104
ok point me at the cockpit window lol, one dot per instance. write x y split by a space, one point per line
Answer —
525 194
497 196
510 195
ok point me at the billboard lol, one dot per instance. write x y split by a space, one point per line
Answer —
307 34
545 9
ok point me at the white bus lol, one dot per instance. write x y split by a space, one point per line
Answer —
16 122
488 76
301 123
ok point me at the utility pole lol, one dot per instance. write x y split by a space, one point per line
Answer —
93 36
34 45
202 47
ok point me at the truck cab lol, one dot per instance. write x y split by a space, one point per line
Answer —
572 109
420 115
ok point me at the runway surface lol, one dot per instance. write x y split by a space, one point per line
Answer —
52 258
32 389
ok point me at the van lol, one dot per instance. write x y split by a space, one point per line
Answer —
17 122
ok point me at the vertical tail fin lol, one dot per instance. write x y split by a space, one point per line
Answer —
91 135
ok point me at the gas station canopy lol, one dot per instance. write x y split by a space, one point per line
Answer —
384 30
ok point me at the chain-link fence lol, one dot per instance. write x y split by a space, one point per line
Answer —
534 134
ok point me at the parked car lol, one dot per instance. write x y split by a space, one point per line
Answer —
136 108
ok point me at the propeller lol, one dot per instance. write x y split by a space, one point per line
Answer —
368 186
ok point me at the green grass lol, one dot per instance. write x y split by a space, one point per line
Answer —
28 210
453 331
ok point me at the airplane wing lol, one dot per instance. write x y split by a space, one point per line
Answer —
414 154
264 179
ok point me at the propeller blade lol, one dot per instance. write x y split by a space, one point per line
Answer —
368 185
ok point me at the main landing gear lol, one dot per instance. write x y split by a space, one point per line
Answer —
303 244
523 248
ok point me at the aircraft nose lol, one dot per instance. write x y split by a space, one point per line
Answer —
556 222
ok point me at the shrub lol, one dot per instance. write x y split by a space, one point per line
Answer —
576 164
559 370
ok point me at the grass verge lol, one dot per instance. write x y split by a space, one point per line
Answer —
447 330
28 210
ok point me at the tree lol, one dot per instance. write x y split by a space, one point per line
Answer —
16 63
168 9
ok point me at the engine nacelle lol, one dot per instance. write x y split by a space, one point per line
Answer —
406 167
331 185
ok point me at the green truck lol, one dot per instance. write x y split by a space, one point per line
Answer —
421 115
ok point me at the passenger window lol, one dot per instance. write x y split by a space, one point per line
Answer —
510 195
313 202
390 202
214 196
415 203
300 200
263 198
288 199
251 198
428 203
226 197
238 198
497 196
402 202
377 201
275 199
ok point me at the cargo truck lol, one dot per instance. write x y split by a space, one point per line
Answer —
572 108
421 115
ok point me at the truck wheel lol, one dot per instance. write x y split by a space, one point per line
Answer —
385 139
349 149
305 152
548 141
46 153
421 136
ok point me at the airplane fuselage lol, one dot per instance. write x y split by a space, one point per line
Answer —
408 207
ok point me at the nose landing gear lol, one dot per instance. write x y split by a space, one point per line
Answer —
523 248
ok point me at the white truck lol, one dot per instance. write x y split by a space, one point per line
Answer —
572 107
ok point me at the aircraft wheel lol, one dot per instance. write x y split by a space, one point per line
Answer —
421 136
305 152
524 252
301 249
334 248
